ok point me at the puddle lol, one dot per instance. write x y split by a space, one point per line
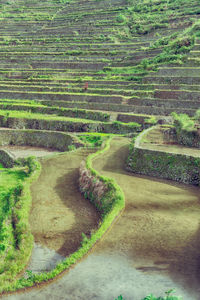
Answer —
43 259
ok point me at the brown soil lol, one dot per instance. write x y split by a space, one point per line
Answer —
159 228
60 213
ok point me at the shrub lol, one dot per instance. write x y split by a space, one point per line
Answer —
30 164
183 122
168 296
197 115
121 18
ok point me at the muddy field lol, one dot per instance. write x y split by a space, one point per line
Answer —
159 229
60 213
152 248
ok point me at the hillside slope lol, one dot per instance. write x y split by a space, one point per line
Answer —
113 56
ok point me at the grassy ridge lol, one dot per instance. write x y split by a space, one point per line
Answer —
16 238
39 108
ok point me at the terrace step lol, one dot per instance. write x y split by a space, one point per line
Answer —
165 103
171 80
179 71
138 118
179 95
66 89
73 46
100 86
126 108
60 96
49 58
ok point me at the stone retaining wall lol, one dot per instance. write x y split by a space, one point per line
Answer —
54 140
6 159
55 125
178 167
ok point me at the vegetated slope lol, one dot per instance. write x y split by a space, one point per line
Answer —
100 55
10 180
87 61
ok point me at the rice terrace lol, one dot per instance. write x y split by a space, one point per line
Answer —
100 149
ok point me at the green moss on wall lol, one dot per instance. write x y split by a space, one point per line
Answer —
176 167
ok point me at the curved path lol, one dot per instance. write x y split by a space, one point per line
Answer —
153 247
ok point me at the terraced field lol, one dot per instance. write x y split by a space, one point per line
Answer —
98 66
81 55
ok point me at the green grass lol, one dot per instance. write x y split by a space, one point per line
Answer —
16 240
168 296
29 115
117 125
174 47
9 178
55 110
183 122
92 140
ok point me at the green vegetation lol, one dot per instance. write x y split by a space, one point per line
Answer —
161 164
77 66
187 129
30 115
197 115
22 119
158 15
15 236
42 109
168 296
183 122
173 49
92 140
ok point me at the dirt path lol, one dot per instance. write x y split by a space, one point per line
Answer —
153 247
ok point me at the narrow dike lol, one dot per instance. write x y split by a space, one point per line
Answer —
59 214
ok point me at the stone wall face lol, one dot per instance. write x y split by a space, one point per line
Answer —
176 167
54 140
67 126
189 138
6 159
